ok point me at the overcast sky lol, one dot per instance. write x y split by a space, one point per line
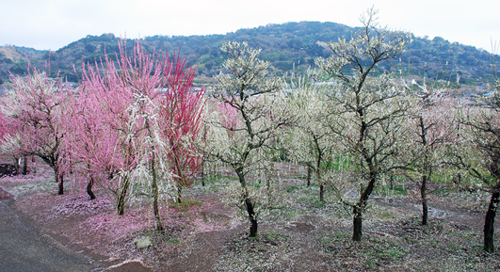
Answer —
52 24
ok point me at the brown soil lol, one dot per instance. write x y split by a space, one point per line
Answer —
310 236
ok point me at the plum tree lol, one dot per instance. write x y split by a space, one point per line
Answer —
248 104
309 142
35 110
432 128
139 121
180 113
478 152
367 112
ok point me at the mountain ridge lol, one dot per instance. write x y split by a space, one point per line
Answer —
288 46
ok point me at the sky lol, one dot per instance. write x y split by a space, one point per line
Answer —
52 24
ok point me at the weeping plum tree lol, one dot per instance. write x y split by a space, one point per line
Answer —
107 140
367 111
138 120
247 100
35 110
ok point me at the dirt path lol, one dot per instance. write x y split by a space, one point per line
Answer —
203 256
23 247
473 219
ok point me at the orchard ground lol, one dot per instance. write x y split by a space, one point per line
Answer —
204 234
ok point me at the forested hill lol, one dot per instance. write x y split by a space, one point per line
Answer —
288 46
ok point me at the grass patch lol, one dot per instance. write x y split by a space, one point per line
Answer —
185 205
272 235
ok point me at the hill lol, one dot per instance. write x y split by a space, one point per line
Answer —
289 46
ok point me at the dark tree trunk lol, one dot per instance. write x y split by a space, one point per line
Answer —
179 193
308 175
359 209
60 181
321 192
121 197
357 224
423 193
61 187
25 166
320 180
203 173
89 189
427 171
251 216
489 223
154 188
248 203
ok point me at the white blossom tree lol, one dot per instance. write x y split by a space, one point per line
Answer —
251 110
309 142
478 152
432 127
368 110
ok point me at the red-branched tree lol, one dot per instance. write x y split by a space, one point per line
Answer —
180 113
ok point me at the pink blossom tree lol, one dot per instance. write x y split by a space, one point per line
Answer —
139 119
110 138
92 144
34 110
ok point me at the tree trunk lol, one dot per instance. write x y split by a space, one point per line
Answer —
61 187
248 203
360 207
33 167
203 173
89 189
320 183
308 175
25 166
251 216
180 175
489 223
423 193
121 197
179 192
357 224
16 164
321 192
59 181
154 188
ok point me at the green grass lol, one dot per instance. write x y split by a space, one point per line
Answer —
302 188
395 253
340 163
185 205
396 190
